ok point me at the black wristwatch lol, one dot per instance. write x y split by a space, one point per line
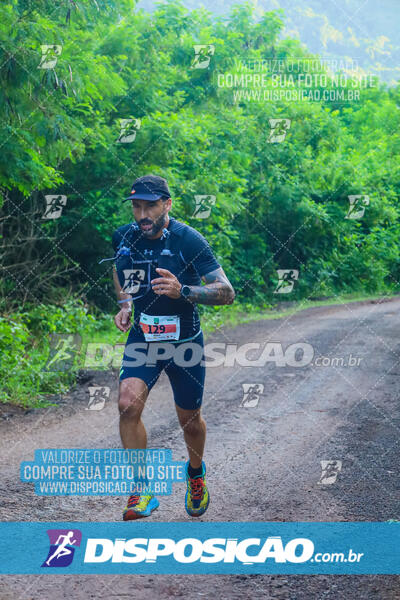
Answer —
185 291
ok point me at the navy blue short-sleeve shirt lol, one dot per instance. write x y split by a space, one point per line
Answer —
190 257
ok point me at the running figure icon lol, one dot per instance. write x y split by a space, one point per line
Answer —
62 549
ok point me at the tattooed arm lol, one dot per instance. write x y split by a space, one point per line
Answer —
217 289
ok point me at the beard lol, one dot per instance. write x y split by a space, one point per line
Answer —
157 226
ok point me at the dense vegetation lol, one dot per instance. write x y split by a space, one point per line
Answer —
278 205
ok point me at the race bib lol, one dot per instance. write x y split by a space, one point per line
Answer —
163 327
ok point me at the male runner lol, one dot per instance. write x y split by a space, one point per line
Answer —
159 267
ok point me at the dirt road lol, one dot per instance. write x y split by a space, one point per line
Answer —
263 461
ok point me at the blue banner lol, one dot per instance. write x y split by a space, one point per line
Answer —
222 547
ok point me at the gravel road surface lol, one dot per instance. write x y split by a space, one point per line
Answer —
263 461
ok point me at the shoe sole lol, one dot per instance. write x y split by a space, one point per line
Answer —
132 515
199 514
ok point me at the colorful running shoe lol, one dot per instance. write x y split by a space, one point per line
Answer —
140 506
197 497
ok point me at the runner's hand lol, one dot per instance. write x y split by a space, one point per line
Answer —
167 284
123 319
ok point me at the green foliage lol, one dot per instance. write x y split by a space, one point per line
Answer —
25 346
279 205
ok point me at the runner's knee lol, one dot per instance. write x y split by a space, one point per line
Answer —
192 425
132 398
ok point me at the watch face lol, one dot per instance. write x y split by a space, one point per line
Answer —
185 290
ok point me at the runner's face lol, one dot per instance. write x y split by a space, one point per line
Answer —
151 216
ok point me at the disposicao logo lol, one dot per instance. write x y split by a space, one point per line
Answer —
190 550
62 547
